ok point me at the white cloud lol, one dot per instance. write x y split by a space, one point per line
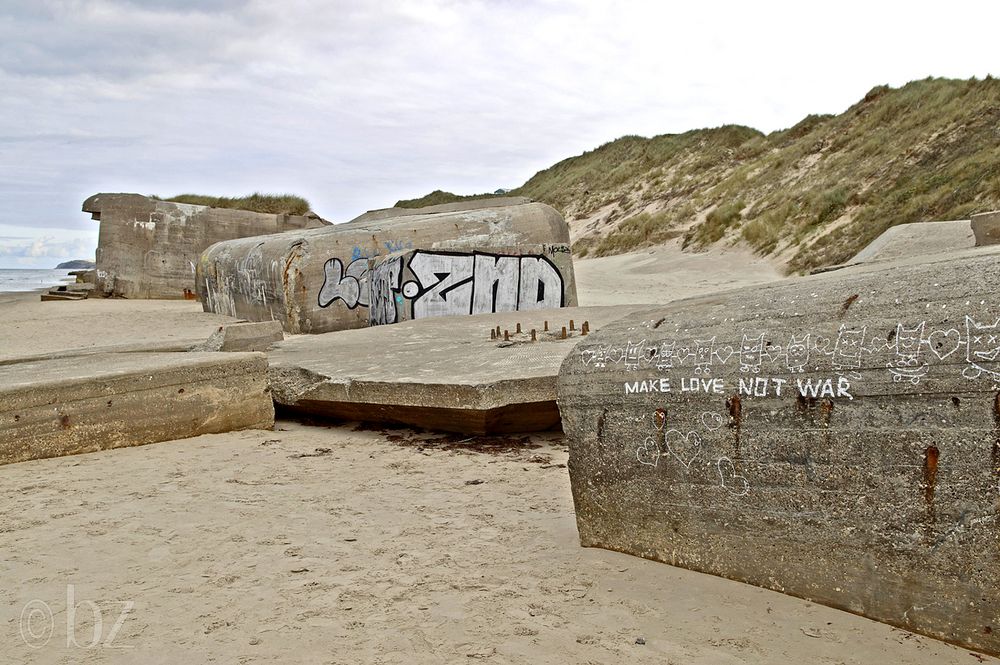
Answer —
355 105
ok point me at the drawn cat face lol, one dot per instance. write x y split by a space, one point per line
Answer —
703 351
984 341
633 351
848 346
798 351
752 347
908 340
665 355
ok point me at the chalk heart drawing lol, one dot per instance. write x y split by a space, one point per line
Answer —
711 421
648 453
945 342
724 353
822 344
732 481
684 447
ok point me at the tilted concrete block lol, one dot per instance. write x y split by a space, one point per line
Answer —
244 337
457 206
986 227
834 437
486 374
82 404
148 248
424 265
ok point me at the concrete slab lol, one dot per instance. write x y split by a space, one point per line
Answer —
986 227
30 329
458 206
50 408
917 239
259 336
833 437
443 373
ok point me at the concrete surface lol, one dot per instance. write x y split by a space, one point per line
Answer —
458 206
318 280
259 336
148 248
834 437
917 239
444 373
986 227
51 408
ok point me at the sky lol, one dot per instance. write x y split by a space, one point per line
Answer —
355 105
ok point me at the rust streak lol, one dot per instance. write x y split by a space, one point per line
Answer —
826 409
931 456
847 305
735 419
996 435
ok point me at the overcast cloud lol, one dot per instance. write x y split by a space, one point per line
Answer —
357 104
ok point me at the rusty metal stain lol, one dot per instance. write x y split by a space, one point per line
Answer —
826 409
847 305
931 456
996 435
735 407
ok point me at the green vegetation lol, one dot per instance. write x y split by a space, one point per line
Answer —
256 202
437 197
815 193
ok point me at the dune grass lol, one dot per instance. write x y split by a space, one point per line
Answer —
818 191
256 202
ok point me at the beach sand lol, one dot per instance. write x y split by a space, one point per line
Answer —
336 543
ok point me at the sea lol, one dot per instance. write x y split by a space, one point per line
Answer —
15 280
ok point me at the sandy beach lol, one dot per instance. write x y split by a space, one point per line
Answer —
326 542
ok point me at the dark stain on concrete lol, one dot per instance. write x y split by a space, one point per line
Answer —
931 456
847 305
996 435
601 419
735 407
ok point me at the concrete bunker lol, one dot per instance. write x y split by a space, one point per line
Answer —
485 260
148 248
833 437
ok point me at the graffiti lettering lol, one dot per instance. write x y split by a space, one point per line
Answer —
384 291
480 283
351 285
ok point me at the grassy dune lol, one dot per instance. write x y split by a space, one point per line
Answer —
816 193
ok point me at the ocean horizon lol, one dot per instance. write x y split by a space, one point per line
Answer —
18 280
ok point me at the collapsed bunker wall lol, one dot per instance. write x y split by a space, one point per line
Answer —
497 259
835 437
148 248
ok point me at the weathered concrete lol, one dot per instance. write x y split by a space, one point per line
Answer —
986 227
50 408
918 239
458 206
834 437
477 261
441 373
244 337
148 248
